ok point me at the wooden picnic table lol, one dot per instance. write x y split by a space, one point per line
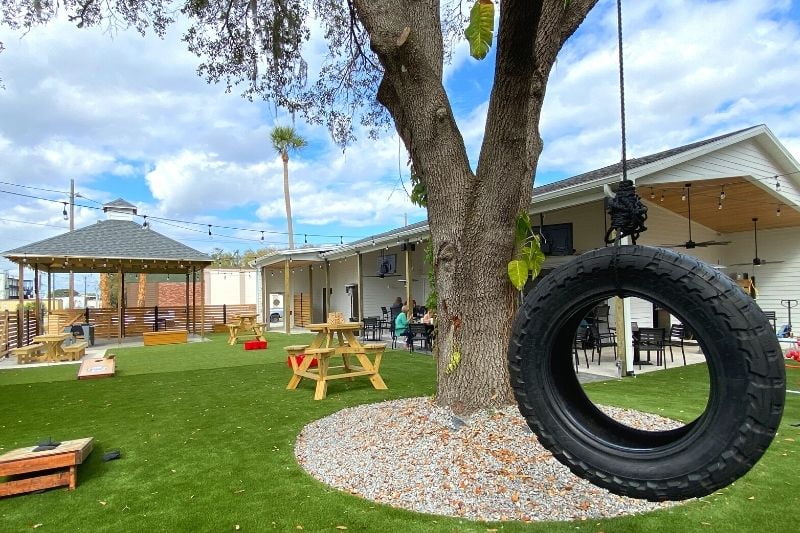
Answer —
55 468
53 345
244 324
337 339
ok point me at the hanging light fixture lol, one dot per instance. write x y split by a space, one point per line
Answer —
683 195
662 196
778 212
64 212
722 193
145 224
719 205
777 184
652 194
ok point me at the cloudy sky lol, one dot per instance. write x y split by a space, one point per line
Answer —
126 116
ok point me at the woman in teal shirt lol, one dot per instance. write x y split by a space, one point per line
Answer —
401 324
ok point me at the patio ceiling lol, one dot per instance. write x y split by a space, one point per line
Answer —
744 200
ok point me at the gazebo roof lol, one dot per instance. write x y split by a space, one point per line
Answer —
107 245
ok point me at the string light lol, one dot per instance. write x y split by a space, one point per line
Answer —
305 238
683 194
662 196
145 224
209 231
341 241
722 193
652 194
64 212
719 205
777 184
778 212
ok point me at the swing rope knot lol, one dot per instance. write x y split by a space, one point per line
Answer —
628 214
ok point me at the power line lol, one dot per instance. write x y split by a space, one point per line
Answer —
33 188
32 223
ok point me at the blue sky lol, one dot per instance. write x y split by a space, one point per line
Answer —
128 117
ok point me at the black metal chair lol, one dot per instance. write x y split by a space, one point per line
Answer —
676 335
651 339
394 336
772 318
417 333
583 340
371 329
603 337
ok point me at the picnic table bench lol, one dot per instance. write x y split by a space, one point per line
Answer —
28 354
322 349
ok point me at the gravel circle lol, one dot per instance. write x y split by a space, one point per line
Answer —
415 455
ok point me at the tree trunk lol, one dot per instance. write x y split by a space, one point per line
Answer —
287 199
105 288
471 214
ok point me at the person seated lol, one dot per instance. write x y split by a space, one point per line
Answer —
395 308
427 318
401 325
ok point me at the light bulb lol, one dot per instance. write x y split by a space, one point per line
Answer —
64 212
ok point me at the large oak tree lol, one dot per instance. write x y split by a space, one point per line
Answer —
385 63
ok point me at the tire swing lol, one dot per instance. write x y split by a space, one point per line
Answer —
745 365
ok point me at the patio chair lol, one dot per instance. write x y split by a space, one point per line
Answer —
602 337
652 339
583 340
772 318
418 333
394 336
676 335
370 329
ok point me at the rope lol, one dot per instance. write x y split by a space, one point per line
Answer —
628 214
626 209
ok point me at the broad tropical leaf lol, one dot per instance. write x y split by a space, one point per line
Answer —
480 29
518 273
523 229
534 257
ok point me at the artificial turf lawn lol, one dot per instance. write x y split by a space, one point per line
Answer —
207 430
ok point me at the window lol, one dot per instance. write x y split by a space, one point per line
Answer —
557 239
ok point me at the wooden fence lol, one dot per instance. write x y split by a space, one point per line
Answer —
9 333
137 320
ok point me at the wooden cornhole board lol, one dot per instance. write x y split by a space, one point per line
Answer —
98 368
55 468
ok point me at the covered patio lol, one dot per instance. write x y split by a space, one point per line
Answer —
117 245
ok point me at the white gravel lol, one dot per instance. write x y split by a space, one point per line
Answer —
417 456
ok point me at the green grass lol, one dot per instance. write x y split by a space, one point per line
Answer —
207 431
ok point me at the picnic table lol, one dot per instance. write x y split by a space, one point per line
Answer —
337 339
53 345
45 469
244 324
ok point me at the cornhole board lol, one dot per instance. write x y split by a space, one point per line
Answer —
98 368
30 471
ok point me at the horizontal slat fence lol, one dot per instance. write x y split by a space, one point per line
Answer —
137 321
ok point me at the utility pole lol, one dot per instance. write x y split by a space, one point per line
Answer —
71 229
84 290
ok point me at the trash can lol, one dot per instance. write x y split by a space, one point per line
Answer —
88 333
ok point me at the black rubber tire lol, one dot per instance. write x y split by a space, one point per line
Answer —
745 366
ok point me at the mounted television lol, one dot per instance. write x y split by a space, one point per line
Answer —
557 239
387 264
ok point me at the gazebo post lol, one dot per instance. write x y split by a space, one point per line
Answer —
37 301
202 302
311 290
409 276
21 307
360 273
121 303
186 300
49 293
194 300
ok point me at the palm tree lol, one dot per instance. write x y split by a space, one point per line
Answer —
284 140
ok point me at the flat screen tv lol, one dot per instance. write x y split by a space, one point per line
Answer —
387 264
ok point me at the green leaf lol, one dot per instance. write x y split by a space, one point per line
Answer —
534 257
481 26
523 229
518 273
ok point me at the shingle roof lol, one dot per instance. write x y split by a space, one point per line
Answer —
119 202
616 168
106 239
389 233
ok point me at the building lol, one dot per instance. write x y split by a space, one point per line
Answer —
728 181
9 287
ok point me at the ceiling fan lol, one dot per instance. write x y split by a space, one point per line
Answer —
757 261
690 243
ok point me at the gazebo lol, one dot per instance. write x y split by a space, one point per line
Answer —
115 245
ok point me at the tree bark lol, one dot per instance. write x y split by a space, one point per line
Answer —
471 214
287 199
